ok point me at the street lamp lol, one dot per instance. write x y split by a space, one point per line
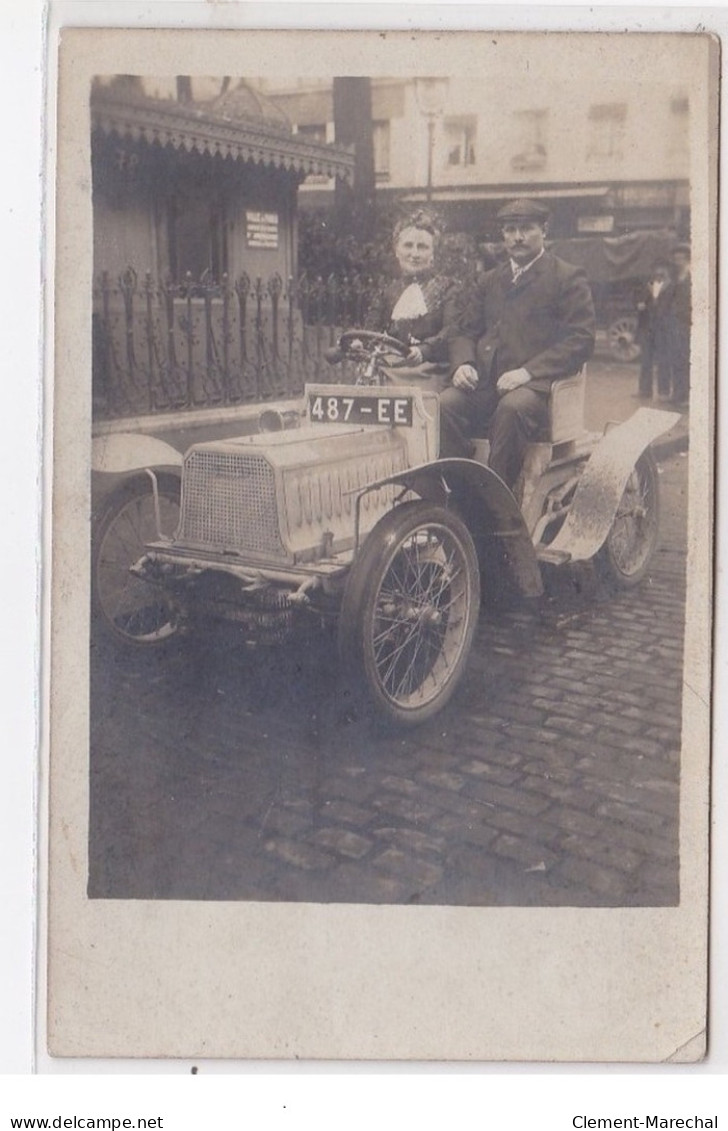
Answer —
430 94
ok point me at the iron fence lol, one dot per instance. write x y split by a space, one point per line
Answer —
161 345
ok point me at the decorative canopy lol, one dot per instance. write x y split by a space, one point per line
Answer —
234 125
243 102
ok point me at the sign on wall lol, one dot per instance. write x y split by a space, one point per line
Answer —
261 229
603 224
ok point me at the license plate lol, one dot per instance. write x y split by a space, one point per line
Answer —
339 409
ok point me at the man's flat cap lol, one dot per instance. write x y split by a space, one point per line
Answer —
524 210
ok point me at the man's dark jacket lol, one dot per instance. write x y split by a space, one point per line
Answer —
544 322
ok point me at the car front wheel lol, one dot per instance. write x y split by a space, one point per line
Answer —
410 611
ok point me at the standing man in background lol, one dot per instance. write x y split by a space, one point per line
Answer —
651 331
524 324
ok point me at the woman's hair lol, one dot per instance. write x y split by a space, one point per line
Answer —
422 219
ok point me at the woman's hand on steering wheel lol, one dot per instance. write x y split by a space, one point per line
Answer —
356 342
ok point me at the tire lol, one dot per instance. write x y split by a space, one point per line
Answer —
622 338
409 612
125 608
624 559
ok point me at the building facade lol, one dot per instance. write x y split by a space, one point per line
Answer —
195 242
612 162
198 184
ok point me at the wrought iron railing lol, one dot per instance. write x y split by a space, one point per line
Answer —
160 346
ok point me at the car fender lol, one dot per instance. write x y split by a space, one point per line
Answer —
124 452
603 480
487 507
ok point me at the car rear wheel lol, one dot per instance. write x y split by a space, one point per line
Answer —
130 610
625 556
410 611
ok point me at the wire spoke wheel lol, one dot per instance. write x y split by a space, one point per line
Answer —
131 610
418 614
625 556
410 611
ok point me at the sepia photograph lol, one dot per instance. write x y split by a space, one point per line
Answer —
394 426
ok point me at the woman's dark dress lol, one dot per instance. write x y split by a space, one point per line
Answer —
430 330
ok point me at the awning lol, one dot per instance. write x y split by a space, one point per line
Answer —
187 127
478 192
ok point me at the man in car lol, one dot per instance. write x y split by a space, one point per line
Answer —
525 323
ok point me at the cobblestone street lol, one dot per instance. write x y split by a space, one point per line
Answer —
551 779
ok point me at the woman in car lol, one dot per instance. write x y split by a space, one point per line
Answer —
418 306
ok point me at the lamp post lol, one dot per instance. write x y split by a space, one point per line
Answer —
430 94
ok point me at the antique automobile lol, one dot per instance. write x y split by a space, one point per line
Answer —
338 513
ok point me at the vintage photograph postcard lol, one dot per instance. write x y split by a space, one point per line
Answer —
383 401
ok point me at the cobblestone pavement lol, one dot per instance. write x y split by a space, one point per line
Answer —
551 779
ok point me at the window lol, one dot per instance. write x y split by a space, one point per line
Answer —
320 133
530 140
196 232
607 129
679 126
460 141
315 132
380 141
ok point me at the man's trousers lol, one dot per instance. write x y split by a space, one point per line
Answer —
512 422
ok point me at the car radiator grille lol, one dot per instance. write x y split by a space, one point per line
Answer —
229 502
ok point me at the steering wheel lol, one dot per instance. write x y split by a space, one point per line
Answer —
369 339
